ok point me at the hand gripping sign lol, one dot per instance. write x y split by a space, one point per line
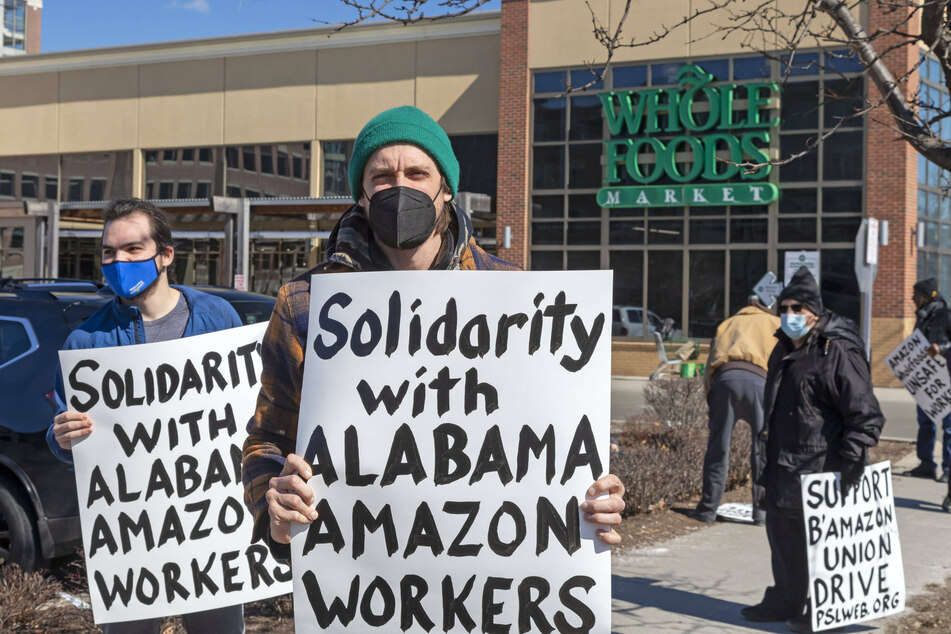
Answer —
924 376
164 527
454 422
855 566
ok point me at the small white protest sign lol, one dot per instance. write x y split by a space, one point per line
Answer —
796 259
736 512
454 422
924 376
852 546
165 529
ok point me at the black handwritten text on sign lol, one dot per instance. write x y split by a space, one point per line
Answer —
165 529
855 567
455 421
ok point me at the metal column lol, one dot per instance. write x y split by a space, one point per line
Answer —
243 240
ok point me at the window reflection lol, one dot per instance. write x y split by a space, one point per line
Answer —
175 176
706 292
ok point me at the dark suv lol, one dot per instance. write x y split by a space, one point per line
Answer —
39 513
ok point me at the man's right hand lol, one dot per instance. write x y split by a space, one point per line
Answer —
289 498
70 426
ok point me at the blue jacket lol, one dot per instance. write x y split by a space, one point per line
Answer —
117 324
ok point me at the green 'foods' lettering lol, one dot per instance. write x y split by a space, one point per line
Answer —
735 118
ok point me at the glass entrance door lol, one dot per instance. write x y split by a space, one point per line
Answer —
17 247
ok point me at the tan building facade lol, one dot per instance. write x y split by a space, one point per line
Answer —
250 137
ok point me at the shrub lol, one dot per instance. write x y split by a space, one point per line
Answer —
660 464
677 402
31 602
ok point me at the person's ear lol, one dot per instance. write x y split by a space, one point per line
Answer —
166 256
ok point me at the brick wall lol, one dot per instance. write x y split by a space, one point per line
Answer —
34 21
892 195
512 193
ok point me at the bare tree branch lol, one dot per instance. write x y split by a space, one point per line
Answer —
778 32
405 11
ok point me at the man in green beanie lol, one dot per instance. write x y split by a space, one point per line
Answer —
403 177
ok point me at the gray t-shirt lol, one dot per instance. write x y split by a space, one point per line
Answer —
171 326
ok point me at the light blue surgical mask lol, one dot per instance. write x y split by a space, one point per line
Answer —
128 279
794 325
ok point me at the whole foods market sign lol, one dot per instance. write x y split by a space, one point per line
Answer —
706 120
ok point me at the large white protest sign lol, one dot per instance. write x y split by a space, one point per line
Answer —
925 377
454 422
855 567
165 529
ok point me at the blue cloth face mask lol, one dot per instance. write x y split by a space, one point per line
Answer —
128 279
794 325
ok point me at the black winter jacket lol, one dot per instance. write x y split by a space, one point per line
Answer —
934 322
833 416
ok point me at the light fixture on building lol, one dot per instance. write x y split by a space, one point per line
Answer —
507 238
883 233
919 235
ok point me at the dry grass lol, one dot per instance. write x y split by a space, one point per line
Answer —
30 602
928 613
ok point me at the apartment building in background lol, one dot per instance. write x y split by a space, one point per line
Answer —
20 34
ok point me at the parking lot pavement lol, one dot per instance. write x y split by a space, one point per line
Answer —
699 582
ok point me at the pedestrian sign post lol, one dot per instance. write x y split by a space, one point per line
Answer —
866 267
768 289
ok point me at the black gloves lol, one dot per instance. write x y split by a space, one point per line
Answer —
851 475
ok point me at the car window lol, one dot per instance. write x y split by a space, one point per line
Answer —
615 314
75 314
634 315
16 339
253 312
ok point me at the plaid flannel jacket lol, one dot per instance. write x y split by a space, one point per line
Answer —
272 432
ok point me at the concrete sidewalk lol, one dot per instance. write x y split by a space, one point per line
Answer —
699 582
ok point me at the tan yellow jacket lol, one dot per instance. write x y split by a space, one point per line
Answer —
746 338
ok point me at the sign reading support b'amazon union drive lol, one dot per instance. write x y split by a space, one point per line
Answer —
726 120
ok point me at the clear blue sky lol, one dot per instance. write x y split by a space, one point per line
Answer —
76 24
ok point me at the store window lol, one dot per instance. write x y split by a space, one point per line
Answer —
269 176
7 180
179 170
336 159
29 186
478 162
821 199
934 204
97 176
13 34
97 188
37 177
698 264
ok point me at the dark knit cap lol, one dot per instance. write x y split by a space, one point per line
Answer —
803 288
927 288
405 124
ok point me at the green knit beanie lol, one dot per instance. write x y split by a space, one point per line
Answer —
405 124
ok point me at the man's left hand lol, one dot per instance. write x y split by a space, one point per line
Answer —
605 511
934 350
851 476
